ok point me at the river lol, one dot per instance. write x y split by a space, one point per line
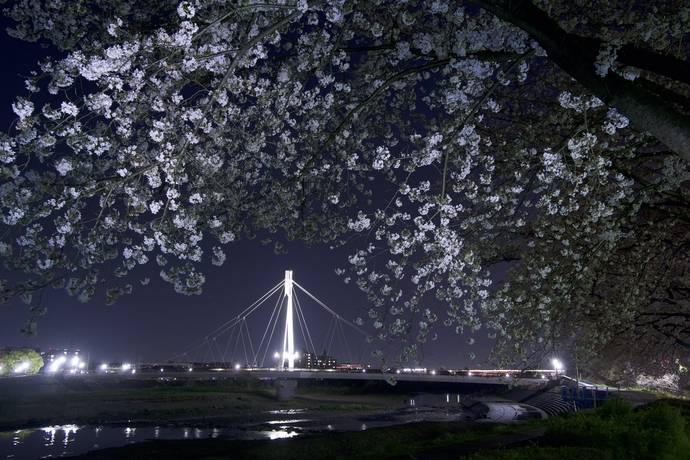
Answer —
69 440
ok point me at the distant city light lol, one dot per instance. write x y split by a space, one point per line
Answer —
22 367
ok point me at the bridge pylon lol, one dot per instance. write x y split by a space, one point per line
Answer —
288 338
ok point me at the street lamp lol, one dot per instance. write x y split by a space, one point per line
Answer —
557 366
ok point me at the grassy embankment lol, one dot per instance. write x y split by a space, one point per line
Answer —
612 432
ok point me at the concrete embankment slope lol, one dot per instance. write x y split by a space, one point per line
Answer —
505 411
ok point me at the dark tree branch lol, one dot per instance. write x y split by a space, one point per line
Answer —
660 64
643 108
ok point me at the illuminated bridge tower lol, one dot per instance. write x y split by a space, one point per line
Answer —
289 339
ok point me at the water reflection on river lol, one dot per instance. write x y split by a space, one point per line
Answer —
67 440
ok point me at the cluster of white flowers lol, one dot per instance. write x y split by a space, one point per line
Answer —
606 57
63 166
186 10
23 108
578 103
362 223
615 122
68 108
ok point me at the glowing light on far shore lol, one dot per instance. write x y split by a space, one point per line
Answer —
22 367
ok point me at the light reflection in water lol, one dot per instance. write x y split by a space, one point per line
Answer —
280 434
53 432
69 440
280 422
18 435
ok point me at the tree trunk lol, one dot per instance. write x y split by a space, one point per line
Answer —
644 109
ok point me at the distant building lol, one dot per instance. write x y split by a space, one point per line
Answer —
64 360
309 360
352 367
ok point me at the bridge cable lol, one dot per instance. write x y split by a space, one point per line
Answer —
341 336
231 323
272 323
329 336
303 323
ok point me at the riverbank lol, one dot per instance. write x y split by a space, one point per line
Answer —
613 430
236 413
173 401
231 418
37 401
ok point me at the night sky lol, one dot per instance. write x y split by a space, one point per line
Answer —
155 324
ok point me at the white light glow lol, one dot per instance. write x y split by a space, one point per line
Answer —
22 367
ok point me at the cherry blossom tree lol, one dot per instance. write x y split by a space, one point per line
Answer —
515 166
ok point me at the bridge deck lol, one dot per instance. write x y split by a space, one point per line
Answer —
403 376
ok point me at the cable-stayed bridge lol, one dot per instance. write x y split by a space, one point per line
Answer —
282 339
276 354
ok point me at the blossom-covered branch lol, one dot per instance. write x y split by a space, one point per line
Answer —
496 161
